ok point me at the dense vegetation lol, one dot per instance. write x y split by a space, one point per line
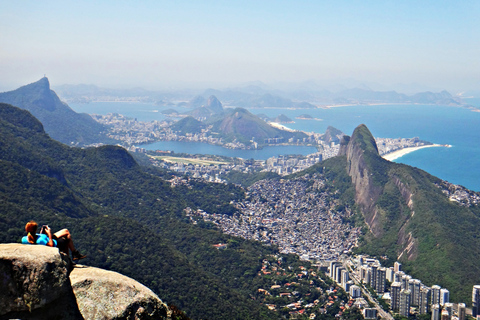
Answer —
131 220
446 242
125 219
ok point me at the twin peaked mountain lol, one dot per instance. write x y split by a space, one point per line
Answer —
408 216
405 211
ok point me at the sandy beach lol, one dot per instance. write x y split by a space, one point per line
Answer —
400 153
281 126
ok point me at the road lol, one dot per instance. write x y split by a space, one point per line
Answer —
383 314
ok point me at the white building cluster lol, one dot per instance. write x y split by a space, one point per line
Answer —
406 295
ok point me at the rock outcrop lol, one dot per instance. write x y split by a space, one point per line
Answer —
374 178
105 294
34 282
37 282
360 150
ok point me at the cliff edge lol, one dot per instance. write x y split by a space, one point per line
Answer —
37 282
363 166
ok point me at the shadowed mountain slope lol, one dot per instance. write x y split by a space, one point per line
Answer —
242 125
125 219
60 122
408 216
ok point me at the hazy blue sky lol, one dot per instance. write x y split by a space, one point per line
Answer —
161 43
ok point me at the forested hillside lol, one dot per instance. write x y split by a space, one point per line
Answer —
124 219
132 220
408 216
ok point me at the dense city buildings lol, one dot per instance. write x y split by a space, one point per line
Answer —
405 296
476 301
298 215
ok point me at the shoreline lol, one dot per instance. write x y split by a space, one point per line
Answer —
402 152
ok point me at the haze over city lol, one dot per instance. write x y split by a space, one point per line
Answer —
162 44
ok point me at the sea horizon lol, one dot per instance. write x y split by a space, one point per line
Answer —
455 126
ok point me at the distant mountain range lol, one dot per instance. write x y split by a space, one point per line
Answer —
230 124
258 95
406 213
59 120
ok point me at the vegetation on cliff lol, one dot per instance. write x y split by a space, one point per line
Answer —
130 219
407 216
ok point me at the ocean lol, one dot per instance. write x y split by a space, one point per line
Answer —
455 126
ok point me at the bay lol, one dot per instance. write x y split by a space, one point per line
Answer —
455 126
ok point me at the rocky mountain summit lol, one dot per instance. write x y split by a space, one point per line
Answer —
410 215
58 119
40 283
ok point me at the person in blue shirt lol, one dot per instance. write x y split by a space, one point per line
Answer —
61 239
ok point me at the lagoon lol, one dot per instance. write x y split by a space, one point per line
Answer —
455 126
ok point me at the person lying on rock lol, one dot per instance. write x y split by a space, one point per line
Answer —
61 239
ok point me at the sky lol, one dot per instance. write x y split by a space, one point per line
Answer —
159 44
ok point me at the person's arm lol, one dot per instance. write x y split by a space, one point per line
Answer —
49 234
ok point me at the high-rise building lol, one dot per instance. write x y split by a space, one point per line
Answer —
337 276
404 309
435 311
344 278
397 266
414 287
449 308
390 276
381 274
398 276
405 280
365 274
445 315
436 294
360 261
395 289
348 285
373 278
355 292
370 313
333 265
444 296
476 301
425 299
461 311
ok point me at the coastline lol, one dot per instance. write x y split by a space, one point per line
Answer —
400 153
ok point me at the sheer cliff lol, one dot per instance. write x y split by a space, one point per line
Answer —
408 216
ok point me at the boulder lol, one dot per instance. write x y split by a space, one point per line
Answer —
34 283
38 282
105 294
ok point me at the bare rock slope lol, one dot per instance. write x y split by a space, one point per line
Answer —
37 282
103 294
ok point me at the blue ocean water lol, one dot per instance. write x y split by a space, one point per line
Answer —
455 126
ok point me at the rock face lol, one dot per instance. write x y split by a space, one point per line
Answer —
214 105
373 178
360 148
36 283
105 294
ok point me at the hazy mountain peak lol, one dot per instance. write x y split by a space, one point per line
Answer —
214 104
363 138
